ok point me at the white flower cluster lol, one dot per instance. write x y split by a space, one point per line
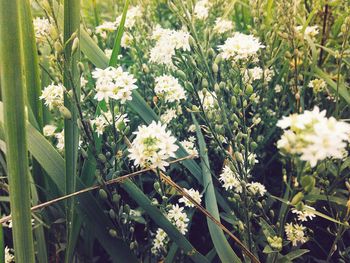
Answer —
257 73
310 31
42 28
132 15
207 99
169 88
295 233
60 140
194 194
152 146
313 136
53 95
106 119
222 25
167 42
168 116
106 27
305 214
232 182
240 47
113 83
9 257
190 146
49 130
160 241
317 85
201 9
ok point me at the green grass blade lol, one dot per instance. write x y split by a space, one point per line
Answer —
71 80
12 85
221 245
116 47
142 200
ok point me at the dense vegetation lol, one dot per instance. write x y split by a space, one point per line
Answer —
174 131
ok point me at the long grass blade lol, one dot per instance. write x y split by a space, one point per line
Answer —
12 85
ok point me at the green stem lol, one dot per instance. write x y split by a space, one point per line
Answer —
12 86
71 81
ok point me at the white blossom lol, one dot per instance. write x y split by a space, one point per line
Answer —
305 214
49 130
168 116
42 28
104 120
53 95
201 9
256 188
222 25
194 194
230 180
152 146
169 88
295 233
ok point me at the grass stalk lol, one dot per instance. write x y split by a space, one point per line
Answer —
71 81
12 85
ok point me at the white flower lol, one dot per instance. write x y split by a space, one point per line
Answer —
9 257
167 42
305 213
189 146
108 52
252 74
194 194
295 233
42 28
169 88
106 27
168 115
160 241
222 25
317 85
201 9
133 14
152 146
126 40
230 180
240 46
53 95
60 140
313 136
49 130
178 218
192 128
101 122
256 188
310 31
83 82
207 100
113 83
278 88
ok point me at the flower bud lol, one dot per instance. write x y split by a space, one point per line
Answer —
75 46
65 112
103 194
112 233
180 74
297 198
215 68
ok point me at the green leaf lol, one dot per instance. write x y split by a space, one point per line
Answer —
221 245
13 92
296 253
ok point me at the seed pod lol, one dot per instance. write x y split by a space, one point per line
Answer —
249 90
156 186
65 112
218 59
103 194
215 68
180 74
75 46
297 198
233 101
112 233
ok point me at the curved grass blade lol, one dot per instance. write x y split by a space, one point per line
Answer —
221 245
12 85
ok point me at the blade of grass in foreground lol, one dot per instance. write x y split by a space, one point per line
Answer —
221 245
12 86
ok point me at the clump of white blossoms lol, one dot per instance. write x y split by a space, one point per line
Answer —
190 146
49 130
295 233
304 214
317 85
310 31
105 27
153 146
133 14
167 42
256 189
178 218
169 88
9 257
42 27
160 241
113 83
207 99
222 25
230 180
168 116
53 95
240 47
313 136
60 140
201 9
101 122
194 194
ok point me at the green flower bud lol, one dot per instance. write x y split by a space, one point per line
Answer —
218 59
111 214
102 158
75 46
116 198
308 183
249 90
58 47
103 194
180 74
112 233
297 198
215 68
65 112
205 84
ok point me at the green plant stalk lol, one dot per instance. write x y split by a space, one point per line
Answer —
12 86
71 81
